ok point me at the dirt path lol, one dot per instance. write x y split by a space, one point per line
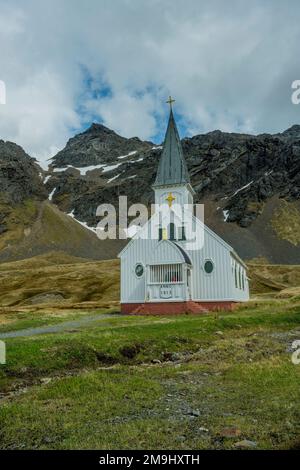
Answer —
65 326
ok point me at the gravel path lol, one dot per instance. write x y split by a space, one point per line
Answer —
42 330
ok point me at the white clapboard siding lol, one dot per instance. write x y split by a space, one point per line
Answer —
220 285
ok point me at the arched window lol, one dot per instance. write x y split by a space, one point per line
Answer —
172 231
160 229
181 233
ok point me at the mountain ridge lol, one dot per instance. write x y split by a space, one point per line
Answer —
250 184
241 178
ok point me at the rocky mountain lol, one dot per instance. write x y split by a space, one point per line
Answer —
20 179
29 223
97 145
107 165
20 176
245 170
250 184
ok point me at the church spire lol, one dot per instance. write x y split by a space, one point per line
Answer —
172 168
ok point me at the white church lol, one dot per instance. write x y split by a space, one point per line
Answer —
175 264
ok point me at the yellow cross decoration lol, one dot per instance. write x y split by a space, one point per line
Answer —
170 101
170 199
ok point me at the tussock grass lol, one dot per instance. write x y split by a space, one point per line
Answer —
41 281
273 278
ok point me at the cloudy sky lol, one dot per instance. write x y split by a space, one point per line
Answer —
67 63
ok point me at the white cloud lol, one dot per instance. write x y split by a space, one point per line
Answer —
126 114
230 65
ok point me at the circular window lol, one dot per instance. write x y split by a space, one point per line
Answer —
208 266
139 270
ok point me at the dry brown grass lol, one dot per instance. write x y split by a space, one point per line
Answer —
268 278
291 292
59 280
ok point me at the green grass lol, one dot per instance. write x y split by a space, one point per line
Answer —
23 320
107 390
150 336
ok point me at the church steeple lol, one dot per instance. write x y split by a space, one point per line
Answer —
172 168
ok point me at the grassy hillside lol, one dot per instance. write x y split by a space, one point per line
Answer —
286 222
186 382
36 227
274 280
59 280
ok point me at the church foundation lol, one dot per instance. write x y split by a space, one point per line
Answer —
175 308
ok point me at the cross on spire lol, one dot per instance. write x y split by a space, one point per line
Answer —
170 101
170 199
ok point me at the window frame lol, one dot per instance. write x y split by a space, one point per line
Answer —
172 235
136 265
181 233
213 266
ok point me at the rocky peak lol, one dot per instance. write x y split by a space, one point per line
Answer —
97 145
291 133
98 129
20 175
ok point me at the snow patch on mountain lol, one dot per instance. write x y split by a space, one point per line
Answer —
46 179
226 215
128 155
113 178
84 224
50 197
241 189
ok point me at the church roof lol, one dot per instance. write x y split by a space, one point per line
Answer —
186 257
172 168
